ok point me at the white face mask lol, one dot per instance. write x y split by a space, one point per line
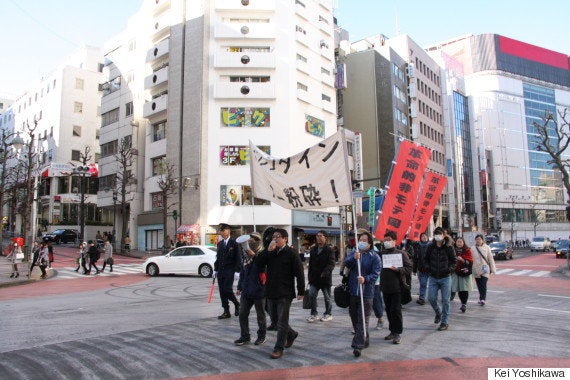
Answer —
363 246
389 244
438 237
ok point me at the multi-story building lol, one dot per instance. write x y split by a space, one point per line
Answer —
510 85
63 112
201 79
5 103
394 91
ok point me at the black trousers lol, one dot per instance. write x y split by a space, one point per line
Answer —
284 331
393 305
246 304
355 312
225 285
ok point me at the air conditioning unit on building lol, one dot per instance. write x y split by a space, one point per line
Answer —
413 110
412 90
411 70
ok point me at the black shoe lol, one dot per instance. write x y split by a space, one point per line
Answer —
356 352
389 337
17 275
443 327
397 339
241 341
367 343
259 341
110 270
291 339
272 328
237 310
437 318
463 308
12 275
421 302
225 315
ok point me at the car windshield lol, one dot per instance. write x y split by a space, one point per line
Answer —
498 245
563 244
538 239
58 231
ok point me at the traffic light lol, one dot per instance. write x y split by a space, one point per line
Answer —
81 169
174 214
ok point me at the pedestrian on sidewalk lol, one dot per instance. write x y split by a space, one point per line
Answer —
43 259
321 265
283 267
35 256
461 283
15 257
108 259
483 267
50 254
419 267
440 261
251 289
82 249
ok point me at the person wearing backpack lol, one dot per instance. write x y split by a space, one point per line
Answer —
94 255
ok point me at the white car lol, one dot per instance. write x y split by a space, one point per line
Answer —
192 259
540 243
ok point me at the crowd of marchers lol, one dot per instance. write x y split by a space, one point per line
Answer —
377 276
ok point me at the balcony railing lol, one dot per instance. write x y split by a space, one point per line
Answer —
244 60
155 106
244 90
158 51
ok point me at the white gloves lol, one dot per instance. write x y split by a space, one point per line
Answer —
236 276
215 274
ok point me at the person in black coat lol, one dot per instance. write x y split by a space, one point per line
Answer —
283 267
94 255
321 265
226 269
251 289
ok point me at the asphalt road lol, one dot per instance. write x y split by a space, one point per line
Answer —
130 326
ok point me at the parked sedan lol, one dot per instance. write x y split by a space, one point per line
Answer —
192 259
501 251
61 236
562 249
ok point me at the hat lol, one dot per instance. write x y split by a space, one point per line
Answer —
224 226
255 235
438 231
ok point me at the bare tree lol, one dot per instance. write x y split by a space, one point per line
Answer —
167 184
6 154
83 158
554 138
126 159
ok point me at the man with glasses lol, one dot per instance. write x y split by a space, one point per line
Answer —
283 266
321 265
226 268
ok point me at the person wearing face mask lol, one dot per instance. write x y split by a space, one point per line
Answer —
440 261
419 267
391 279
369 272
251 289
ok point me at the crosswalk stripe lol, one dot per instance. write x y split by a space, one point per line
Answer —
520 272
504 271
540 273
119 269
523 272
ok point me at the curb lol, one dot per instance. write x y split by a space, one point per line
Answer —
24 281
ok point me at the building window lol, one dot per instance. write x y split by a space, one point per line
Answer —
78 107
156 201
76 131
325 71
245 117
300 30
109 148
236 195
255 79
159 131
75 155
301 86
300 3
301 58
110 117
128 109
78 84
326 98
110 86
158 165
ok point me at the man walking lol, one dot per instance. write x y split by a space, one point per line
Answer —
440 261
226 268
283 267
321 265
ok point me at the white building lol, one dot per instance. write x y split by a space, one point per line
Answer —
65 105
510 85
204 78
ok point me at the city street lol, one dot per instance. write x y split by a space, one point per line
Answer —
129 325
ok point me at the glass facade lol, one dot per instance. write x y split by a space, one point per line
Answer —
546 182
463 153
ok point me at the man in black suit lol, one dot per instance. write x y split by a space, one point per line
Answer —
226 269
321 265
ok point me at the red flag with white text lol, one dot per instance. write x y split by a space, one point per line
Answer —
431 191
403 188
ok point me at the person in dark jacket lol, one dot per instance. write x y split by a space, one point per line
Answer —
321 265
440 261
419 268
226 269
391 282
251 289
283 267
94 255
369 271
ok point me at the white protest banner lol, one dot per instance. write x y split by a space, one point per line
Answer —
392 260
315 178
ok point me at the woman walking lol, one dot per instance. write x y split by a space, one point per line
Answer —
483 266
43 259
13 256
461 282
108 259
81 255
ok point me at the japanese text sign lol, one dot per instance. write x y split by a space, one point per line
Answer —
431 190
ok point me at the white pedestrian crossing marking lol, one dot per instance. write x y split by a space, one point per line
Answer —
523 272
118 269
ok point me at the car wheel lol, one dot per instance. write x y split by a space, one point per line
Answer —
152 270
205 270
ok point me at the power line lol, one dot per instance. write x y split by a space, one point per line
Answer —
46 27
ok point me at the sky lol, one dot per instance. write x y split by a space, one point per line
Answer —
37 35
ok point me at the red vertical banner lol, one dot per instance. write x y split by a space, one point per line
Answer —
431 191
403 189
